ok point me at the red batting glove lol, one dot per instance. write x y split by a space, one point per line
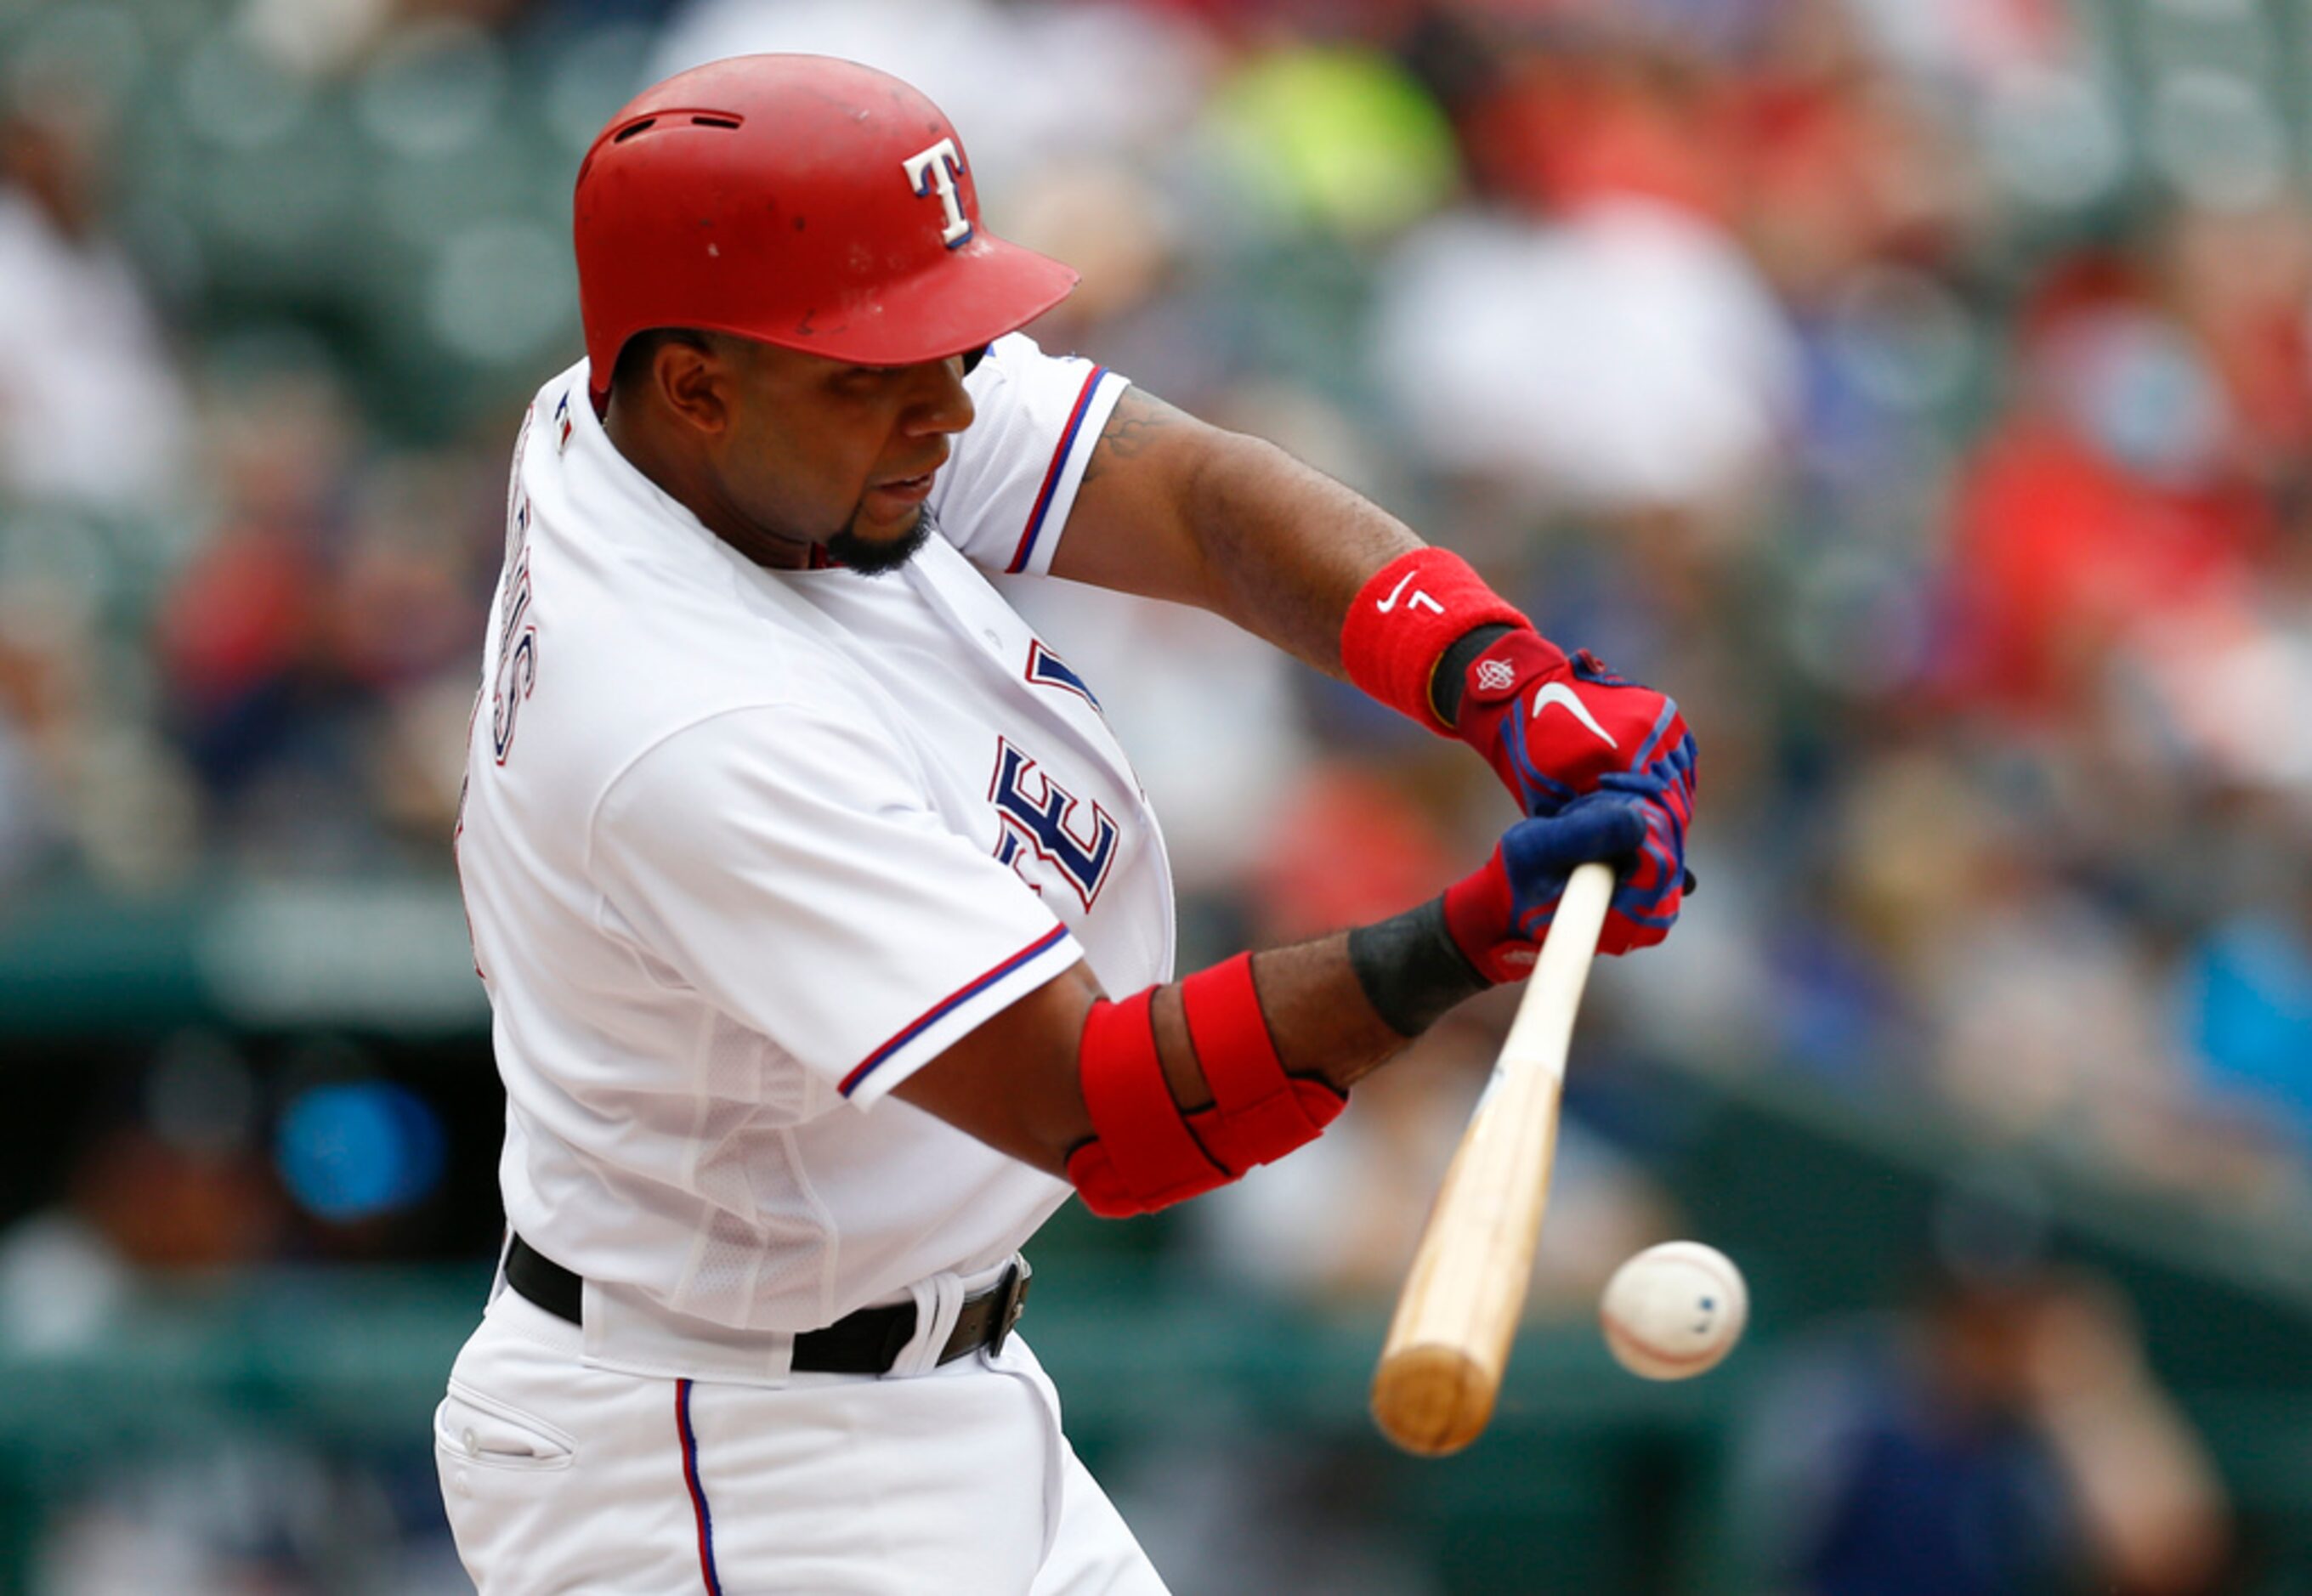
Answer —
1554 728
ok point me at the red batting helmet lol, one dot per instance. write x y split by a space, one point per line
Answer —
799 200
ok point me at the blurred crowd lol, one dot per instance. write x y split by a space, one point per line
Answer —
1922 394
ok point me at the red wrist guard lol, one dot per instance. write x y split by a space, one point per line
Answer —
1145 1154
1401 623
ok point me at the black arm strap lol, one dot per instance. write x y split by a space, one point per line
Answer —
1410 968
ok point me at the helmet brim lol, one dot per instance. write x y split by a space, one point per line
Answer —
986 288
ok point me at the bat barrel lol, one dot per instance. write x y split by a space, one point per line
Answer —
1442 1367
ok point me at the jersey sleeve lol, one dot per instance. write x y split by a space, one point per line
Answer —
785 863
1004 494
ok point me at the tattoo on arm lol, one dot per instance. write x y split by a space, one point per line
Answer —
1132 429
1231 525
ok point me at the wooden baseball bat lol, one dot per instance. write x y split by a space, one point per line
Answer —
1441 1368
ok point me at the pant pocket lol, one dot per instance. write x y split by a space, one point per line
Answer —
481 1435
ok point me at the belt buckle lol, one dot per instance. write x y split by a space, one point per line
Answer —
1012 1292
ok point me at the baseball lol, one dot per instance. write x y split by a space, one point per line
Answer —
1673 1310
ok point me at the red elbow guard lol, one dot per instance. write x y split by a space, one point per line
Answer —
1144 1153
1258 1113
1401 623
1141 1156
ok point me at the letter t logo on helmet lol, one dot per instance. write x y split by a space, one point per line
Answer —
938 167
757 196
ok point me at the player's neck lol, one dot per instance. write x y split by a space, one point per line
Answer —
687 482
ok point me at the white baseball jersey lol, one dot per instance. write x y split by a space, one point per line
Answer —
742 849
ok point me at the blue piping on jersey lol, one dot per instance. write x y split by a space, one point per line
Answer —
1052 477
930 1015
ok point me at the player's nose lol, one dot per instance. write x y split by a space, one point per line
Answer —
941 405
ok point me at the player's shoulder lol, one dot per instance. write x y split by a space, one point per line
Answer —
1028 399
635 652
804 749
1009 355
1016 364
640 620
621 706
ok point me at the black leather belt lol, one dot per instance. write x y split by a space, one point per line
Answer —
867 1342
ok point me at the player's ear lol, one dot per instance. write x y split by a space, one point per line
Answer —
696 381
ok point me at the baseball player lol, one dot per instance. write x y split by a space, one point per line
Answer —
828 935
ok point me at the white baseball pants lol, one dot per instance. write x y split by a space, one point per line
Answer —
561 1478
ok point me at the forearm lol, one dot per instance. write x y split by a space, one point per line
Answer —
1284 548
1019 1081
1172 507
1284 552
1339 1007
1321 1014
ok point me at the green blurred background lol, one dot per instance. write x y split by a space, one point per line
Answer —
1920 393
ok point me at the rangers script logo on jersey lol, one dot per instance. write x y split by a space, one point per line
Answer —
516 651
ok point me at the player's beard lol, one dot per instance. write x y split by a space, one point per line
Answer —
874 558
